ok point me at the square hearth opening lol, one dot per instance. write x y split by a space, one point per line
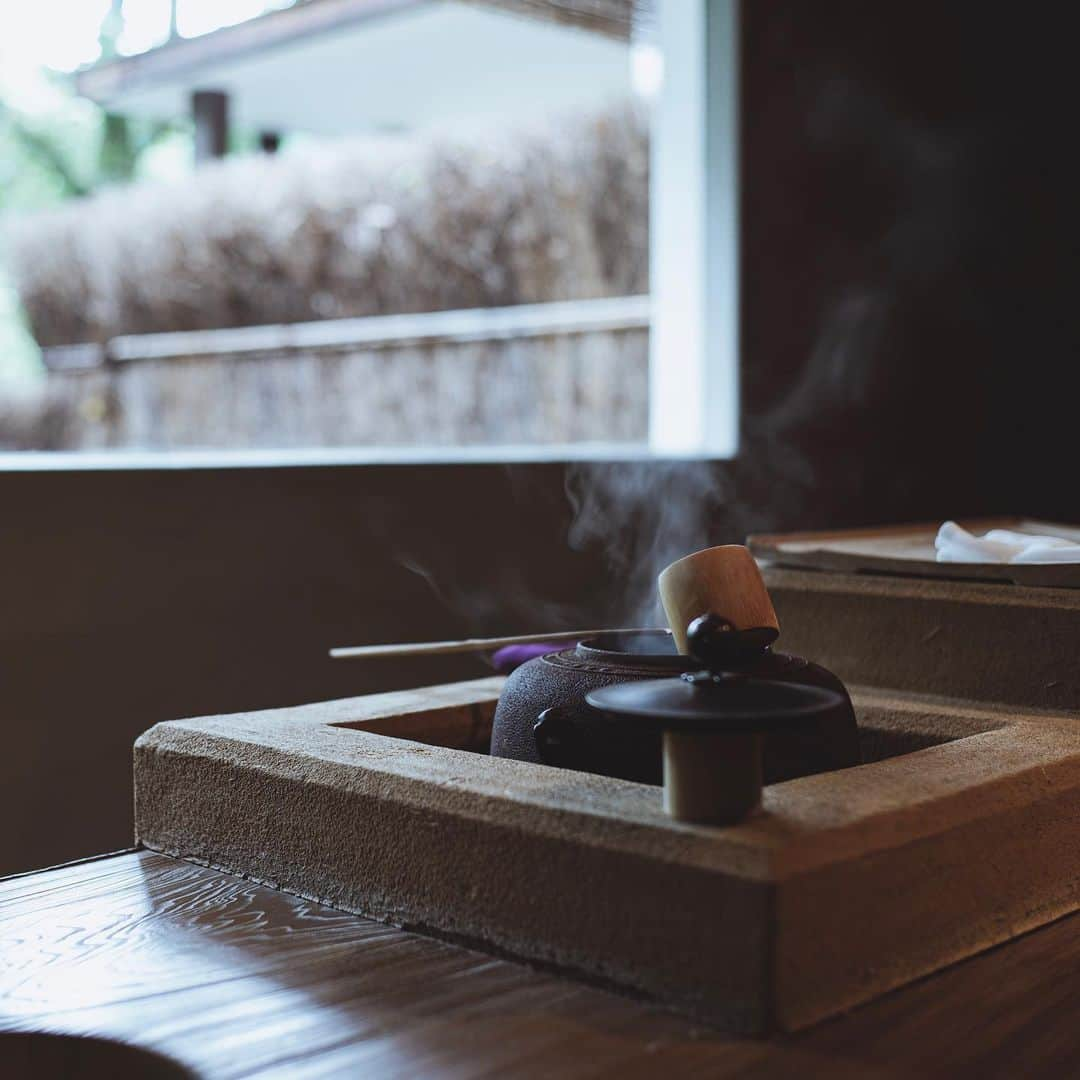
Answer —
886 729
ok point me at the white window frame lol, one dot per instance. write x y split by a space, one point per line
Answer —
694 246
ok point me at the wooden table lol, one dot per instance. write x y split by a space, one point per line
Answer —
234 979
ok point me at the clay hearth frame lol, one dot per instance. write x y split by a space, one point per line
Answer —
846 885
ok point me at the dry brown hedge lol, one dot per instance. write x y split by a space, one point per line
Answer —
342 231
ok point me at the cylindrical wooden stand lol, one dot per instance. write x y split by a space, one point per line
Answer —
711 779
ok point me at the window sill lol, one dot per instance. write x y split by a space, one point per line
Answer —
106 460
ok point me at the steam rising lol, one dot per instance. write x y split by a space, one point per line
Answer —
644 515
637 516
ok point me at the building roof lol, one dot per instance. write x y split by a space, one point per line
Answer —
351 66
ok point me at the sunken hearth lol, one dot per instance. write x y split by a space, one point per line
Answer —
955 834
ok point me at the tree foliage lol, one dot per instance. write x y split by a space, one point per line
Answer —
66 154
78 150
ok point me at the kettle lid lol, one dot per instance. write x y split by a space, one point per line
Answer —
721 703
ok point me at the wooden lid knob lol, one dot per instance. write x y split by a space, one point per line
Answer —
724 581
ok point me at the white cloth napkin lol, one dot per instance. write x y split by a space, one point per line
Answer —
955 544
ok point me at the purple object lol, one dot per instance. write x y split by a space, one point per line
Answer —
513 656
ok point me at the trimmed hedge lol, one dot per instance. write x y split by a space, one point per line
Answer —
344 231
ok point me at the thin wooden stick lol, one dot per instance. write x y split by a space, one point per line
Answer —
421 648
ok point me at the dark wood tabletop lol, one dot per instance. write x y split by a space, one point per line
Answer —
233 979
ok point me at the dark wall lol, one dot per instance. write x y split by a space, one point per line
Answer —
131 597
910 256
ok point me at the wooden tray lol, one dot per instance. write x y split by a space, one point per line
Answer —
909 550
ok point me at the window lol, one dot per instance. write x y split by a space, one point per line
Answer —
452 226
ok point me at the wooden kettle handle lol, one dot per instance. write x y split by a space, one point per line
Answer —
724 581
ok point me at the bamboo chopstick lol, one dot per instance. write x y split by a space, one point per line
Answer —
421 648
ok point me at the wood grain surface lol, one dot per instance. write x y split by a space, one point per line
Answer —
234 979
